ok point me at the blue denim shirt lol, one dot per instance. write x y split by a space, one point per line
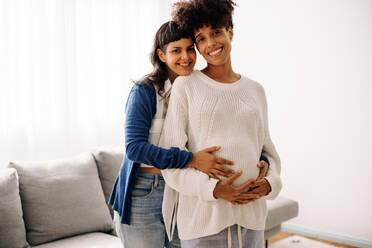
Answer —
140 110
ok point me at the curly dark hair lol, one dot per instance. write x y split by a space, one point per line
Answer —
167 33
194 14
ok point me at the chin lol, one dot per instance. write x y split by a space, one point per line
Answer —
216 62
184 72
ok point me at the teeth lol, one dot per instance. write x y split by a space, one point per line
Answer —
185 64
215 52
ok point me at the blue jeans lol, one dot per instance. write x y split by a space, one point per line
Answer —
250 239
146 229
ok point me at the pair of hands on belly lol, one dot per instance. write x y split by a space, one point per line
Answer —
247 192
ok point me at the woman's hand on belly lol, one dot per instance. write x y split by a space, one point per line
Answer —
264 167
259 188
225 190
210 164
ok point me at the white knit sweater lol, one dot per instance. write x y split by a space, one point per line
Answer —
203 113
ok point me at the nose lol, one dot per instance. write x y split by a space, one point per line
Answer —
185 55
211 42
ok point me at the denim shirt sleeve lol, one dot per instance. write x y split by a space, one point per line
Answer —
140 109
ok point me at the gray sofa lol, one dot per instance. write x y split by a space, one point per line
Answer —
62 203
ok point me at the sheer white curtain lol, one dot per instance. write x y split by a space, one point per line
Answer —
65 71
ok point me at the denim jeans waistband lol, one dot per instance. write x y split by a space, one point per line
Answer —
149 175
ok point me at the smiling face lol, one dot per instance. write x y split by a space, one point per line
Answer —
214 44
179 56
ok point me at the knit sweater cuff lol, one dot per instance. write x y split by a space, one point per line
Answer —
276 185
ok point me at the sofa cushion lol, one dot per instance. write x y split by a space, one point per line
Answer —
62 198
108 162
85 241
280 210
271 232
12 227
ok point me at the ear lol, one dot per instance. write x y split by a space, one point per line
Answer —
161 55
231 33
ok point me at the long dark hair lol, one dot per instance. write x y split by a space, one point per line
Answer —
168 32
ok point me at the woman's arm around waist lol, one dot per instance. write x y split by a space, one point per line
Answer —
140 110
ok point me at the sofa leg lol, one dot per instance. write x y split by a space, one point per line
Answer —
266 243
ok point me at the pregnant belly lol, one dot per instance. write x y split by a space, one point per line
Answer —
244 159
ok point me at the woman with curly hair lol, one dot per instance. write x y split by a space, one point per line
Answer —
138 190
218 106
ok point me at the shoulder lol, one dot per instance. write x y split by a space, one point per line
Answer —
142 94
186 83
255 91
140 87
253 85
182 81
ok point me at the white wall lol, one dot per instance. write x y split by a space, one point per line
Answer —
314 59
66 68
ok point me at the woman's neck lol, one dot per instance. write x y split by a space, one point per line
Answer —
222 73
172 76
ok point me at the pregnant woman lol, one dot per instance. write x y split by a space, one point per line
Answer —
218 106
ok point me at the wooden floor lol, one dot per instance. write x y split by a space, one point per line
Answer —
283 235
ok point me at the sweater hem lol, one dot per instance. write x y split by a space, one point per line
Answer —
218 230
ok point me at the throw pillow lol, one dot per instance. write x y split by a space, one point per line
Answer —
109 162
12 227
62 198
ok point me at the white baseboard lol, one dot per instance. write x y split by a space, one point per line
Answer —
333 237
